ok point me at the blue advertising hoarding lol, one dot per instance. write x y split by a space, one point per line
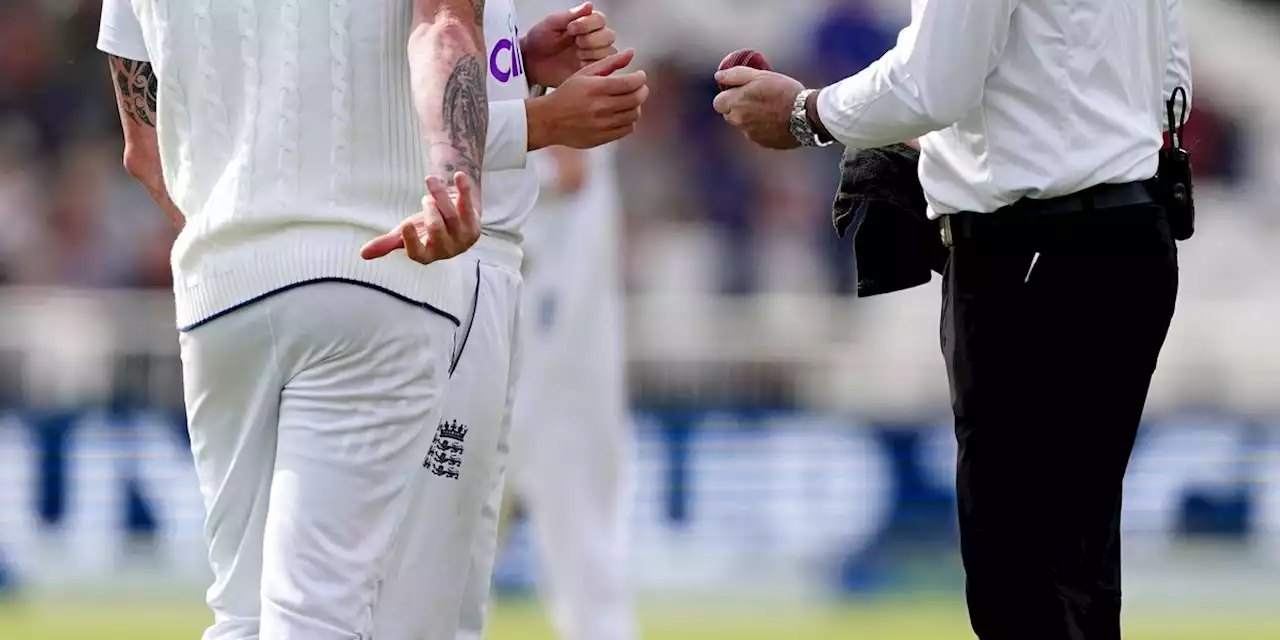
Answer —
871 504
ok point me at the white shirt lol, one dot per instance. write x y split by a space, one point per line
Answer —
510 184
289 138
1019 98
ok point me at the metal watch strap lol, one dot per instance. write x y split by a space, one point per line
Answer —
801 127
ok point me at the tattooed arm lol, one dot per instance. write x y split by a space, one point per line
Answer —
448 72
136 83
448 68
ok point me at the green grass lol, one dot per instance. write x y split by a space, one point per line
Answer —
135 621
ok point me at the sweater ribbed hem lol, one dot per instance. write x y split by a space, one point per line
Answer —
225 278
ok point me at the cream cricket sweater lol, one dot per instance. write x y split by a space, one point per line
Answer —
289 138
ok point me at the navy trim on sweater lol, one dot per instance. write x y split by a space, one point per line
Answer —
422 305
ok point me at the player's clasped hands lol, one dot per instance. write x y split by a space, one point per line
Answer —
562 43
594 106
446 226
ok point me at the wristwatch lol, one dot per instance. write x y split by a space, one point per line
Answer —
801 127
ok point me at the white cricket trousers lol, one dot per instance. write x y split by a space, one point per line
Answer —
311 413
481 395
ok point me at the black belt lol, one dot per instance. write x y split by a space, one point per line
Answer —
959 226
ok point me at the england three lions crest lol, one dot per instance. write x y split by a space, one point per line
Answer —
445 457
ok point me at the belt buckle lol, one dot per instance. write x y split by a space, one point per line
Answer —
948 239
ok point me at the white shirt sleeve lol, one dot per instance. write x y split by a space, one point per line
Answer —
1178 70
507 144
120 34
931 79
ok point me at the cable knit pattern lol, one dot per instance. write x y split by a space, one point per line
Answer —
211 116
247 19
290 105
173 111
214 115
339 71
280 181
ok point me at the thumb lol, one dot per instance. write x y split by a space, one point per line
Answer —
382 245
581 11
736 76
606 66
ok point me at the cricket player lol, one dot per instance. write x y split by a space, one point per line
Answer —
281 136
572 439
593 104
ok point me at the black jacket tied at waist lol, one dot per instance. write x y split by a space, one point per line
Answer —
896 246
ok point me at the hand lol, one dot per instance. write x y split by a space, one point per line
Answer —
591 108
443 229
760 104
564 42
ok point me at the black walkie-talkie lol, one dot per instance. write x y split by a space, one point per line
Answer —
1172 186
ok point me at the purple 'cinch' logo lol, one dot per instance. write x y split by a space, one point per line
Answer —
504 60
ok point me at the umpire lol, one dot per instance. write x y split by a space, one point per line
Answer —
1040 128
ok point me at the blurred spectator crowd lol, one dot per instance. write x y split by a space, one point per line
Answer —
705 211
70 214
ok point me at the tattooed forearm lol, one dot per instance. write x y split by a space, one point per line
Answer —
466 113
136 89
478 5
136 96
449 74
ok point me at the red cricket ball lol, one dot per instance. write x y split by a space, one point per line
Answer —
745 58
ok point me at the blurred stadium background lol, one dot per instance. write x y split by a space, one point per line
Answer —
795 461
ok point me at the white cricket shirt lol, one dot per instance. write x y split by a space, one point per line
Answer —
289 138
510 184
1019 98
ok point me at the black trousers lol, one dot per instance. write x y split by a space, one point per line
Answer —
1051 327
